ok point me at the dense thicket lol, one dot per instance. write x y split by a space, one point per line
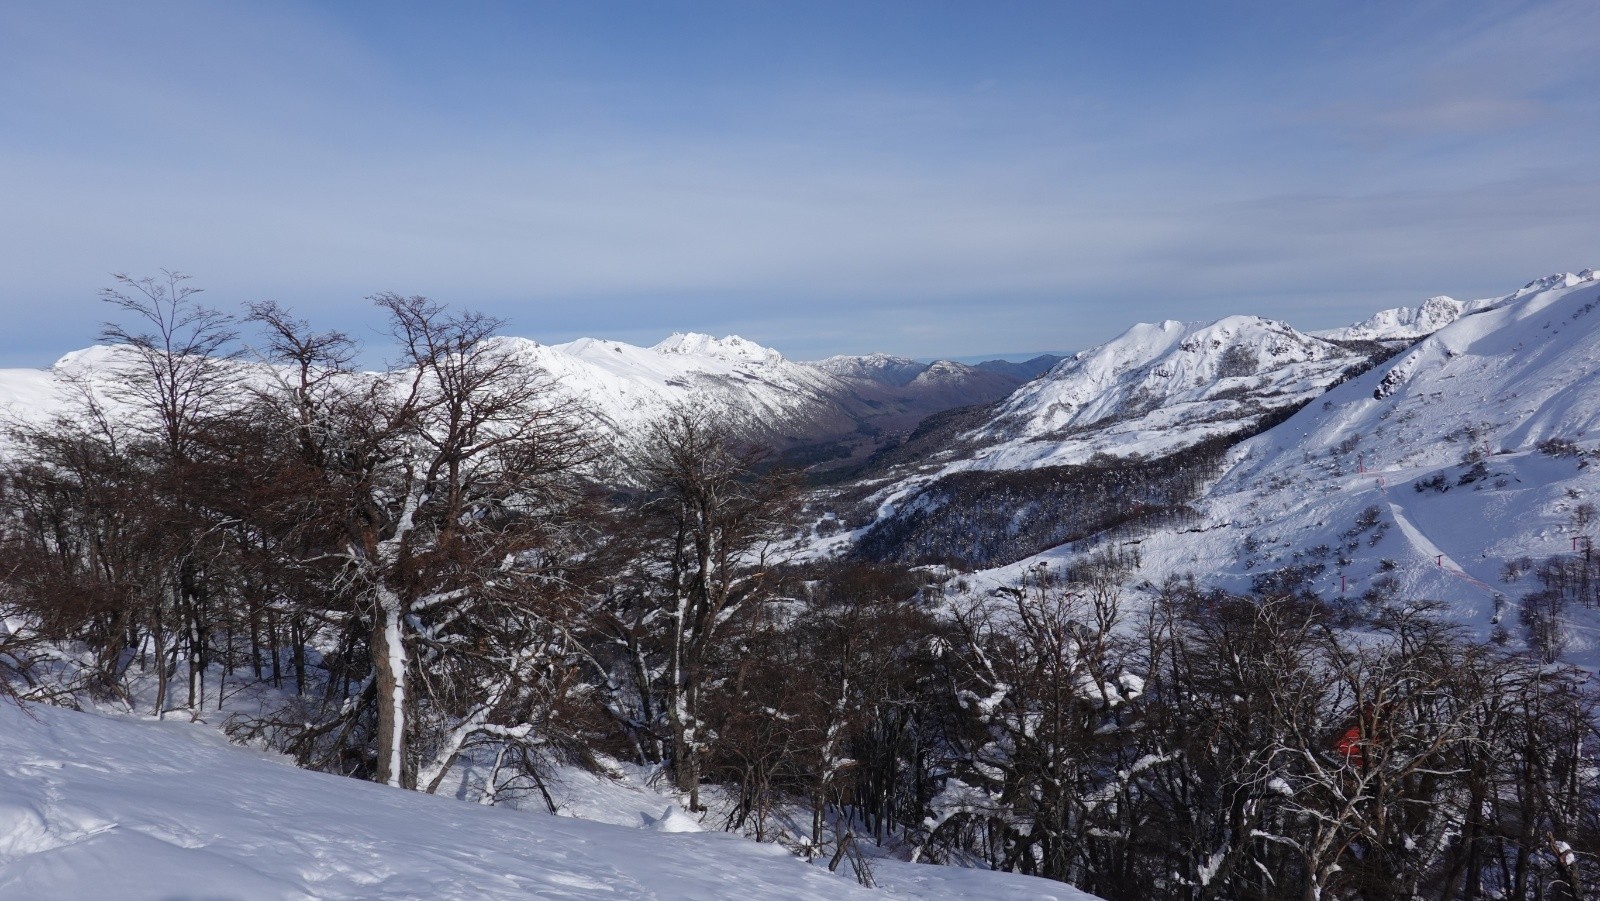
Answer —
422 578
975 520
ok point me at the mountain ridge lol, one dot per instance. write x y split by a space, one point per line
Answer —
1459 472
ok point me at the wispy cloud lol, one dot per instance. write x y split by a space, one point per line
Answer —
1029 202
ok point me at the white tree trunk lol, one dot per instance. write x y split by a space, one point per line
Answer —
390 664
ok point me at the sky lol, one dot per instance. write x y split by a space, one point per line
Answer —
920 178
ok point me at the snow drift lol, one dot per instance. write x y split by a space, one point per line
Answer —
95 806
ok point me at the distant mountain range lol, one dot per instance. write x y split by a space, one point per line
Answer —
824 413
1467 426
1441 452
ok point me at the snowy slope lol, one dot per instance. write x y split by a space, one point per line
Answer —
93 806
36 395
1401 323
27 391
32 392
1495 385
626 386
1411 323
755 386
1152 392
889 370
1335 489
621 385
1157 388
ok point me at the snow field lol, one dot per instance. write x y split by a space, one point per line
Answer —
102 806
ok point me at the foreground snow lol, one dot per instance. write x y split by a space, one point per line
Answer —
101 806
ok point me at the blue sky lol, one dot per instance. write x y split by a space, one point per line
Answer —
915 177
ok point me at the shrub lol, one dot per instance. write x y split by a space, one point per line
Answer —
1438 483
1558 447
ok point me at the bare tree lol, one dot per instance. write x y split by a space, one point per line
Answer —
1038 679
179 377
708 516
446 493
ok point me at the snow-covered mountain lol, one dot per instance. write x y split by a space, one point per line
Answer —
1451 472
1408 324
757 388
1445 442
1156 388
1401 323
889 370
35 395
1462 413
963 493
623 386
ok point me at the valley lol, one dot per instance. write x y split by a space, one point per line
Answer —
861 608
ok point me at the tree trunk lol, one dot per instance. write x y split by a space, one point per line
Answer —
389 665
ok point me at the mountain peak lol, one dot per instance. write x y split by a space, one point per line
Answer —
876 359
1554 280
731 348
1157 386
95 357
876 367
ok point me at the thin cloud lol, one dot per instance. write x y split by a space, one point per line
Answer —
1012 201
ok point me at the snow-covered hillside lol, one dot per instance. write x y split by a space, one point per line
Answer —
889 370
1489 389
1156 388
35 395
1402 323
1440 474
1159 387
620 384
1409 324
626 386
1151 393
95 806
